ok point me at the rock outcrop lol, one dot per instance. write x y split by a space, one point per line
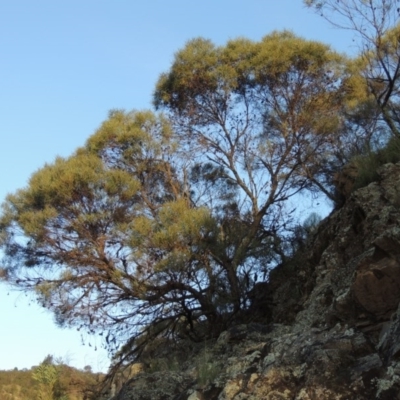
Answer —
327 325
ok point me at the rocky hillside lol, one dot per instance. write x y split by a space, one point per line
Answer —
326 325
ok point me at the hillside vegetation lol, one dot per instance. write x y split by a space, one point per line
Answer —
163 225
48 381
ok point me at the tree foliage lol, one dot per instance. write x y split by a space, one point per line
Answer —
47 376
376 24
262 110
161 224
51 380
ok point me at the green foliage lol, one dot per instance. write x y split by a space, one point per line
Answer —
112 232
70 383
16 385
47 376
367 165
202 70
376 24
160 226
260 105
207 368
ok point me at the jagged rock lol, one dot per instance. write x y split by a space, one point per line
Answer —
157 386
328 322
376 287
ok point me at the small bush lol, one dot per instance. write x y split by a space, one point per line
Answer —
367 165
362 169
207 369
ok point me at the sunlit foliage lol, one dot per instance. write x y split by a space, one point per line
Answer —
161 225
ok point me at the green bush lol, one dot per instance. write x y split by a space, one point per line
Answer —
368 164
362 169
207 369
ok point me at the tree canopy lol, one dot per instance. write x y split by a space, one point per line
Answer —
376 26
163 222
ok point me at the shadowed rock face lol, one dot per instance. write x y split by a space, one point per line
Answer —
328 324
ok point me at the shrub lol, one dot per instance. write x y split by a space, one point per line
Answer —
207 370
363 168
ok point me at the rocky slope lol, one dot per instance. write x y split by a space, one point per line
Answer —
328 323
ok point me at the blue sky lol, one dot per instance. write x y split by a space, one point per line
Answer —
63 66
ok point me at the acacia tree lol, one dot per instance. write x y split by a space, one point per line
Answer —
264 108
266 114
376 23
161 225
106 238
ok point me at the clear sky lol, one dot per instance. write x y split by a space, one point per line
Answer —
63 66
